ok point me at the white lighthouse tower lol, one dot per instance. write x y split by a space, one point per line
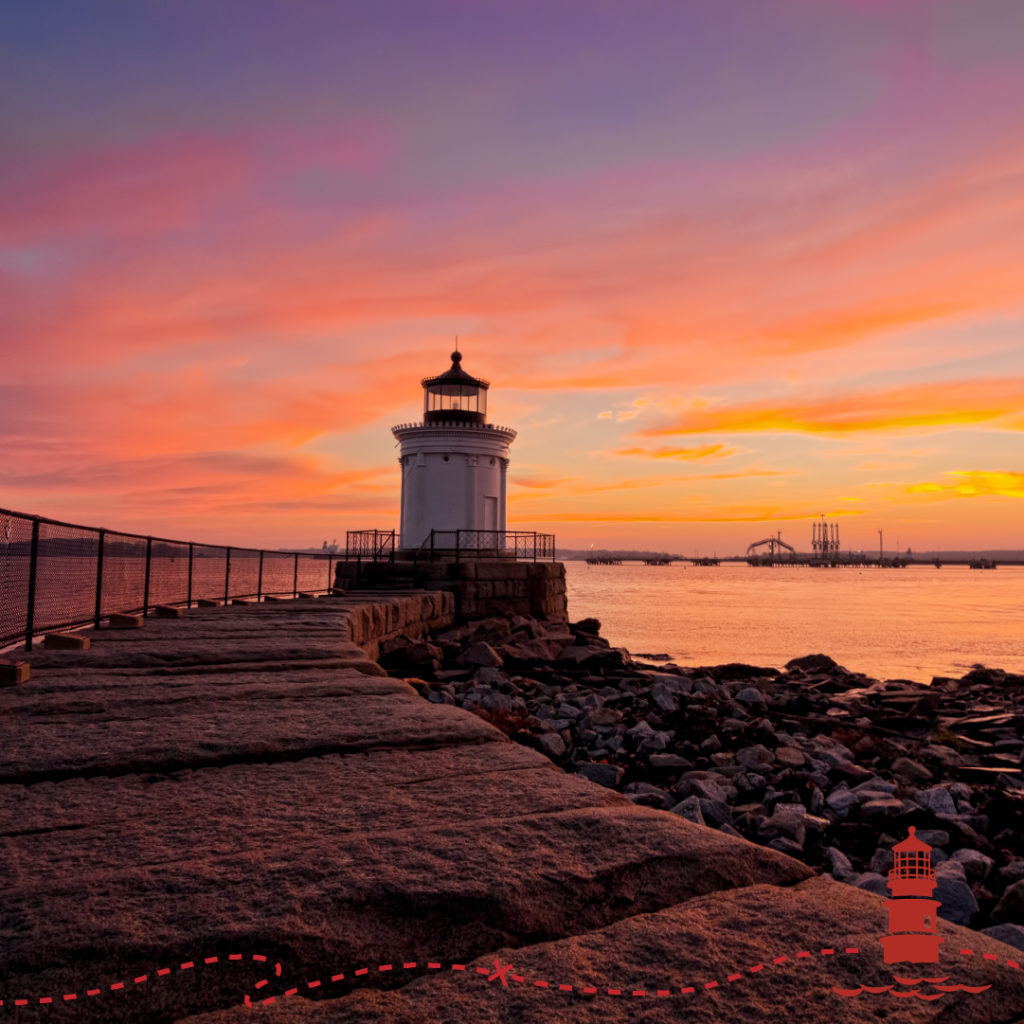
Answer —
454 462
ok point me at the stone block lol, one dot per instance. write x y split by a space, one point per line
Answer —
272 597
121 621
65 642
168 611
205 602
13 672
306 595
241 601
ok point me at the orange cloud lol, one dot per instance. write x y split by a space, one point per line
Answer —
971 484
699 453
993 402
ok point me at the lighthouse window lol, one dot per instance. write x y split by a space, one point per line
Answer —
445 458
492 462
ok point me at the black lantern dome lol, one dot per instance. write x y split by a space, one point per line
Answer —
454 396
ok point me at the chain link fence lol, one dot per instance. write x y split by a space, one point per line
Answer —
56 575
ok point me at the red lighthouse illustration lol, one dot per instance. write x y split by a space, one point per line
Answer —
912 913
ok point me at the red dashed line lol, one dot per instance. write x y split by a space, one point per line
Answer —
437 965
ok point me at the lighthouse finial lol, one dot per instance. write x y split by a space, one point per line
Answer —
456 355
912 830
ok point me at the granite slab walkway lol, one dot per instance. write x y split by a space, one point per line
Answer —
241 797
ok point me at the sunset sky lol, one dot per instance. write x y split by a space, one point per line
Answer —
728 264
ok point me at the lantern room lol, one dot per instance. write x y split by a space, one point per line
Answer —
454 396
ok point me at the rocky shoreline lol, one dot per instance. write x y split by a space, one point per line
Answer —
824 764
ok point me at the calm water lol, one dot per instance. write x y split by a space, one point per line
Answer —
911 623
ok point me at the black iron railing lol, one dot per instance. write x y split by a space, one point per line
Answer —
373 545
522 545
56 575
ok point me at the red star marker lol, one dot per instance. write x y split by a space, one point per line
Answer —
500 972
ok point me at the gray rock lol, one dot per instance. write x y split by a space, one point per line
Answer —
726 828
881 861
609 775
975 863
790 757
912 770
934 837
489 676
670 761
841 799
1010 907
750 695
711 745
603 716
647 795
716 812
1011 934
751 757
690 810
840 865
787 820
958 902
937 800
664 698
873 882
785 845
706 789
481 655
552 745
882 807
1012 872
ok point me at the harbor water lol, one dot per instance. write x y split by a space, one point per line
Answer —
912 623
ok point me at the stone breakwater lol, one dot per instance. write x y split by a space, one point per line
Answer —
826 765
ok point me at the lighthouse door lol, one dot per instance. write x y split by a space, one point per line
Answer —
490 513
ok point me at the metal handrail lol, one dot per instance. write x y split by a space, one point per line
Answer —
33 601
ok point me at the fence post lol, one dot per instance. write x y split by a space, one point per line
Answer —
259 581
431 545
458 537
145 589
227 575
33 565
99 581
295 577
330 575
189 605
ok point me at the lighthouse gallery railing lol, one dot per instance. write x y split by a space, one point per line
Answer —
56 575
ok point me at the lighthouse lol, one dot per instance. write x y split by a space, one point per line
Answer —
454 462
912 912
